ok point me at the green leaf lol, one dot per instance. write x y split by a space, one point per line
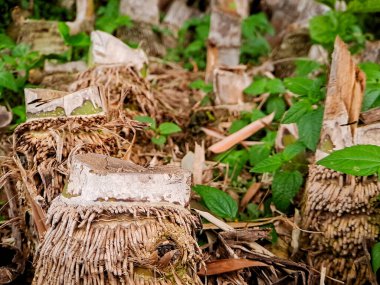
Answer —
6 42
236 159
304 67
285 187
258 153
201 85
160 140
269 165
296 112
8 81
20 112
375 256
146 119
293 150
364 6
359 160
309 128
218 202
298 85
237 125
64 29
168 128
275 86
257 87
277 105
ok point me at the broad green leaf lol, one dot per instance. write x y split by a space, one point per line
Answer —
146 119
277 105
64 29
8 81
237 125
359 160
6 42
257 87
298 85
160 140
375 257
275 86
256 115
256 24
370 97
258 153
20 112
78 40
296 112
304 67
168 128
217 201
309 128
201 85
236 159
269 165
285 187
292 150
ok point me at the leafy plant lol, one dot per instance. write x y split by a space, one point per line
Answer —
15 63
372 90
325 28
254 45
359 160
162 131
108 18
191 47
79 43
375 256
217 201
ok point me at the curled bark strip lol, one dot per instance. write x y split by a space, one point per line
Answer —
241 135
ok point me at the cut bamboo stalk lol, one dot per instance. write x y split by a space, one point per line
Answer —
141 11
84 17
177 14
339 208
229 84
99 177
121 235
225 34
241 135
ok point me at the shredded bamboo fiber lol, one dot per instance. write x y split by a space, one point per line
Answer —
118 243
44 145
122 87
341 210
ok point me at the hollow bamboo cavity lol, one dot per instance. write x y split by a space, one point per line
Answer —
107 240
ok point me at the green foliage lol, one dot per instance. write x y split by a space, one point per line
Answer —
191 47
15 63
236 159
325 28
285 187
79 43
162 131
254 45
201 85
108 18
364 6
375 256
262 85
372 90
359 160
217 201
309 128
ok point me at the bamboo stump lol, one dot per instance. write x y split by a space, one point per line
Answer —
340 209
120 223
59 124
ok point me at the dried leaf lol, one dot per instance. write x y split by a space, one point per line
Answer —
227 265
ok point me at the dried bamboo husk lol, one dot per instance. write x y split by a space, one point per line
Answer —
122 86
112 240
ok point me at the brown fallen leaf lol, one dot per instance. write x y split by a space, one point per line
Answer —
250 194
227 265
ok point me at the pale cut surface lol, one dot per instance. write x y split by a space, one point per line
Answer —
96 177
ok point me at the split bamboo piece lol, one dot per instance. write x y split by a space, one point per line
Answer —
241 135
341 209
120 236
